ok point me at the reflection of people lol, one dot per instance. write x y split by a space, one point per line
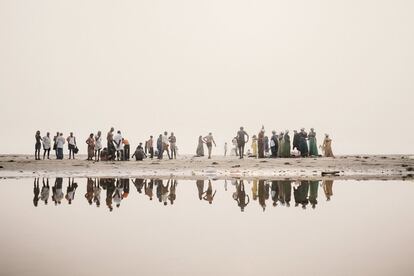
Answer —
117 198
301 194
200 188
97 193
109 185
57 192
313 193
327 188
285 192
275 193
89 190
172 196
209 193
148 188
164 191
70 191
139 184
241 196
36 191
262 194
44 193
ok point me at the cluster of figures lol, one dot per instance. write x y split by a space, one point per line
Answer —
305 192
279 145
118 148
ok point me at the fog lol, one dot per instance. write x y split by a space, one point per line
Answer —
343 67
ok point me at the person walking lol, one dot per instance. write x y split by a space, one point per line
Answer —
46 146
38 145
173 140
209 140
98 145
327 146
91 147
165 144
241 141
71 145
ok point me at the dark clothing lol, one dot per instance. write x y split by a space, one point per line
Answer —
296 139
126 152
260 145
274 148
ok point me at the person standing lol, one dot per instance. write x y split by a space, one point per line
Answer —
266 146
160 147
91 146
241 141
165 144
274 144
55 143
127 149
110 144
280 148
286 145
200 147
38 145
209 140
313 148
117 140
296 139
225 149
327 146
234 142
260 143
98 145
46 146
173 140
254 147
150 146
60 142
71 145
303 145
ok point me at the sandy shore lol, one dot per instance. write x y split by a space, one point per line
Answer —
189 167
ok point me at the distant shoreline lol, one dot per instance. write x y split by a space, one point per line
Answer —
356 167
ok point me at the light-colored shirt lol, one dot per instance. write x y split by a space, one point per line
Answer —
60 141
46 142
118 141
165 139
98 142
71 140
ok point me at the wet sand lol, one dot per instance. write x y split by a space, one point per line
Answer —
357 167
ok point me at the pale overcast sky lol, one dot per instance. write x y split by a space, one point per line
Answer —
343 67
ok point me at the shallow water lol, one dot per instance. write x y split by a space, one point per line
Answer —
366 228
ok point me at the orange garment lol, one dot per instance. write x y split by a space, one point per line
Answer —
126 142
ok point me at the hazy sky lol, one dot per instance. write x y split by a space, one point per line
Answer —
188 66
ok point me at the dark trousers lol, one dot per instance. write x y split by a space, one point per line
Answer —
126 152
59 153
48 153
274 151
151 152
241 149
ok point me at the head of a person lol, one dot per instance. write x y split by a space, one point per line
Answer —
119 132
38 132
99 133
326 135
151 136
57 133
302 129
165 133
91 135
47 134
286 131
172 133
210 133
112 129
160 136
71 134
241 128
312 129
61 134
295 131
273 132
140 144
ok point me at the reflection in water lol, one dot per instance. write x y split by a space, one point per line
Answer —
117 189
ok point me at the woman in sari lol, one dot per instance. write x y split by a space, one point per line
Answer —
313 148
260 143
286 145
200 147
303 145
327 146
281 145
254 146
91 147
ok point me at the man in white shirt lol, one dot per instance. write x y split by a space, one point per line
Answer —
71 145
60 141
165 144
46 145
118 145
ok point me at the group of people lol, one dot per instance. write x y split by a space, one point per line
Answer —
279 145
117 189
118 148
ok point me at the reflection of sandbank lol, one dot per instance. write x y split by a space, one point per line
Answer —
188 167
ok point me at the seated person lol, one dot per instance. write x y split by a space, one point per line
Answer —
139 153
